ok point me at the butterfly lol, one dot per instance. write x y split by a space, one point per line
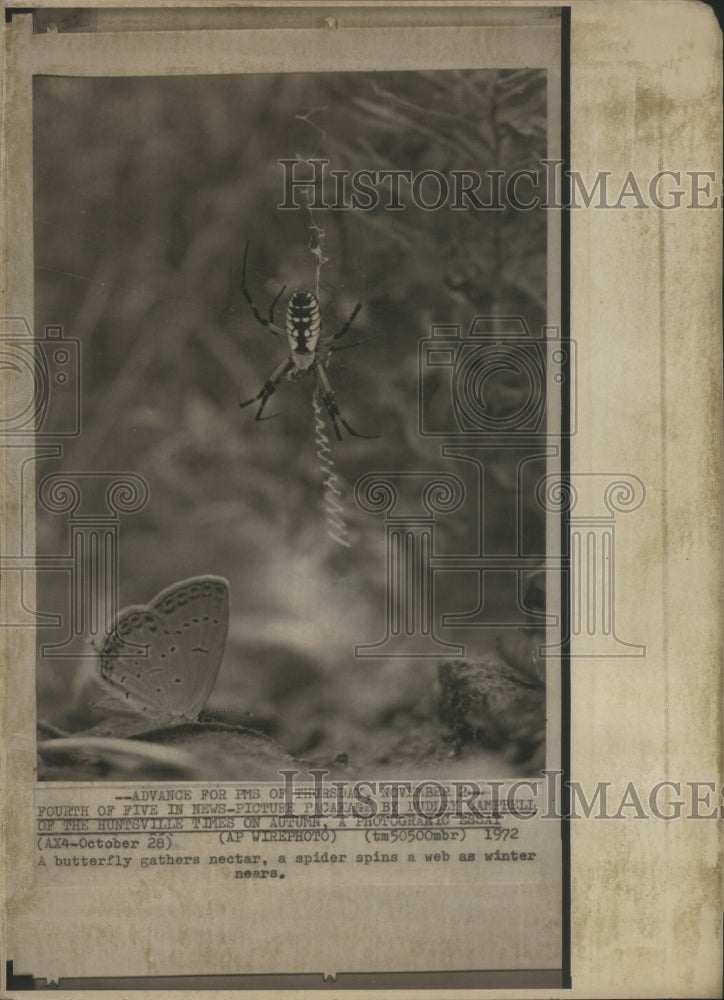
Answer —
162 659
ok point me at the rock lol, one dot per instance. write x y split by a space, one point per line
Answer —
490 703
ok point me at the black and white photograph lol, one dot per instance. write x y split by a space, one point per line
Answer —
311 361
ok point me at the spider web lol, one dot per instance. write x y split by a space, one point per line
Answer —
332 505
316 232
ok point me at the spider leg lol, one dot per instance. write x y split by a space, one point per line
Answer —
269 388
330 403
355 343
349 322
268 323
271 308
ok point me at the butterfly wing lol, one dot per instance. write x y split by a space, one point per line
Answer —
195 622
133 661
184 634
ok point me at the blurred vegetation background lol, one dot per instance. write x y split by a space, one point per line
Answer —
146 190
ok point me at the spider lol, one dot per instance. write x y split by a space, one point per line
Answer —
303 327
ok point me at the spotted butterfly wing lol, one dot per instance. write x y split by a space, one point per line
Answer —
163 659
